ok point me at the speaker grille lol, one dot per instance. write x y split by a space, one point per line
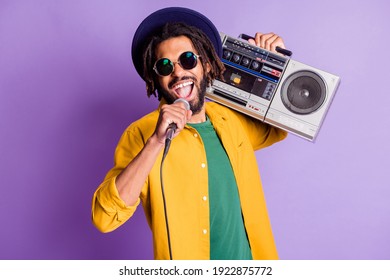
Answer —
303 92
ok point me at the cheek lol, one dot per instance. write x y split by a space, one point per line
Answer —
203 72
163 82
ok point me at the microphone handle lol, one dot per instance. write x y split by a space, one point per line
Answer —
171 131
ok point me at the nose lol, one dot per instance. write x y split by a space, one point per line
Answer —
177 69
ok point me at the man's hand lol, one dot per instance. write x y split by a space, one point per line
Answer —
268 41
173 113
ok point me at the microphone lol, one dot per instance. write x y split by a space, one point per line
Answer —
172 127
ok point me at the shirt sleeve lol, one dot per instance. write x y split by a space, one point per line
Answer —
109 211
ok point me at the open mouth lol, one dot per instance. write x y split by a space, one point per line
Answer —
183 90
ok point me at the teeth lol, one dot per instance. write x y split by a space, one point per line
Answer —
183 85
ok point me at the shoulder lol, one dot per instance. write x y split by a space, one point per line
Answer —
259 133
144 126
233 116
213 108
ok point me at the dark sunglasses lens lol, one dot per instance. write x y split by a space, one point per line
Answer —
164 67
188 60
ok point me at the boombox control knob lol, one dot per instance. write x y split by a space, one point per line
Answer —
227 54
236 58
255 65
245 61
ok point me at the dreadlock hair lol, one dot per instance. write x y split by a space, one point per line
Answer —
201 43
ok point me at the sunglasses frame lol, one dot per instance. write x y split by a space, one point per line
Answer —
172 64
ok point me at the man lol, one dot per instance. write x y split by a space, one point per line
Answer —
207 200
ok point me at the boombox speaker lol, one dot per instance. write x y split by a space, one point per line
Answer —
274 88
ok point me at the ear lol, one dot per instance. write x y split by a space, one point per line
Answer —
208 68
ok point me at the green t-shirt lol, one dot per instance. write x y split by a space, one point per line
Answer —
228 239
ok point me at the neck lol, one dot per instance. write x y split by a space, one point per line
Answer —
199 117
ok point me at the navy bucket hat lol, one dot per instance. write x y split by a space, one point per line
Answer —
159 18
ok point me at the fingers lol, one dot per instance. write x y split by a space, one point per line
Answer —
268 41
174 113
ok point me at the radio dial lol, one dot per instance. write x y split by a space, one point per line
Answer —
227 54
245 61
236 58
255 65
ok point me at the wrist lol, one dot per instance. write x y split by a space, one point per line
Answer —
155 141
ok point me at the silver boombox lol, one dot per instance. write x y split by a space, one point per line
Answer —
273 88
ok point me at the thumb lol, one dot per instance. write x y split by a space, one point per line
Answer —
189 115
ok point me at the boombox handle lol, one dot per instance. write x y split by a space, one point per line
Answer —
278 49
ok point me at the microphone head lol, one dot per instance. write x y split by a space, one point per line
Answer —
185 102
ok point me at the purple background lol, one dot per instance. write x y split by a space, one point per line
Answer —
68 89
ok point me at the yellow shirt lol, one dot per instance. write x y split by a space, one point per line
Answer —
186 185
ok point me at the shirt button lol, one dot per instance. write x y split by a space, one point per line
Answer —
195 135
203 165
205 231
205 198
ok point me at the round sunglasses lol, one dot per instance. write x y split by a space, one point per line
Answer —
164 66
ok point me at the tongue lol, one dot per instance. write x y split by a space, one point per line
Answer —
184 91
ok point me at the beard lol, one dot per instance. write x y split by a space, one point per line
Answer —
195 105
